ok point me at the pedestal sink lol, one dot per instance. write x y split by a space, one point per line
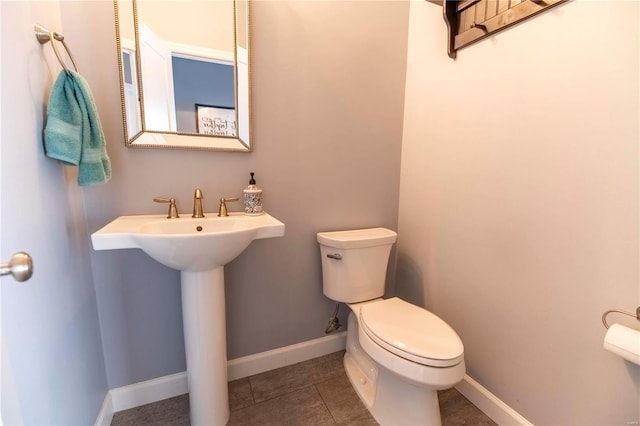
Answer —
199 248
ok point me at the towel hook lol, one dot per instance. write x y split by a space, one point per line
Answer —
44 36
604 316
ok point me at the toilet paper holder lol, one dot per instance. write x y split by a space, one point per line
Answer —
604 316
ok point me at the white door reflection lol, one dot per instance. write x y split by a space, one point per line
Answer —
157 82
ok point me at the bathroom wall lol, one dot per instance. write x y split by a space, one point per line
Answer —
519 198
52 360
328 94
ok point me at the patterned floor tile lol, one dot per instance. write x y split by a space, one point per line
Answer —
297 376
314 393
302 407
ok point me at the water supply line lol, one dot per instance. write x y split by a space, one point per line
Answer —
334 323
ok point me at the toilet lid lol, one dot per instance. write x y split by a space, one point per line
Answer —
411 332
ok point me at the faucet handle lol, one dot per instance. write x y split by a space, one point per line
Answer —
222 211
173 210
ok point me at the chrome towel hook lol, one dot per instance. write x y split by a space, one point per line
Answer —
604 316
44 36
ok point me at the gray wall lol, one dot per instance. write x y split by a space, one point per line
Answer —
328 92
519 203
52 358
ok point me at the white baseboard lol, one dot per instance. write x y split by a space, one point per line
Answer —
264 361
142 393
106 412
490 404
149 391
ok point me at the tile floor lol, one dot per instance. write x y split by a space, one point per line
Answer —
314 392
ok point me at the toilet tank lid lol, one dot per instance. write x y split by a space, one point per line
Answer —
357 238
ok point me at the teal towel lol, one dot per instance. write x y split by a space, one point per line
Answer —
73 133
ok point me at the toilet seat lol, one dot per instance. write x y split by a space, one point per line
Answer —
411 332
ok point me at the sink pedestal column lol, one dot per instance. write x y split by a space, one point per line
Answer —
205 341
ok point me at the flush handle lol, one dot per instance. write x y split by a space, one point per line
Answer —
336 256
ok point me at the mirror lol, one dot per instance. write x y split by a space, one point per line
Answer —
184 73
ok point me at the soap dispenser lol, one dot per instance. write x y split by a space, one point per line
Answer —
252 198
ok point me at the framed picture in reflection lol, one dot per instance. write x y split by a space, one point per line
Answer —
216 120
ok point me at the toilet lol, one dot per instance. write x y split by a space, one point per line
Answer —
398 354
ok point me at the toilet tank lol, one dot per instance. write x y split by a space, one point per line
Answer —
354 263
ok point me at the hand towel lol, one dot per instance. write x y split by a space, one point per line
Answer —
63 132
73 133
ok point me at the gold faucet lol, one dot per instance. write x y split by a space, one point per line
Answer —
173 210
222 210
197 204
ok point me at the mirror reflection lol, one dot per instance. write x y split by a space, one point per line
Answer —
185 73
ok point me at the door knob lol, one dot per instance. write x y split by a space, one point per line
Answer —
20 266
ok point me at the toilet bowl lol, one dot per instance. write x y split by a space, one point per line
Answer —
398 354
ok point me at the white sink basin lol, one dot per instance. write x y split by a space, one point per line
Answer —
199 248
187 244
